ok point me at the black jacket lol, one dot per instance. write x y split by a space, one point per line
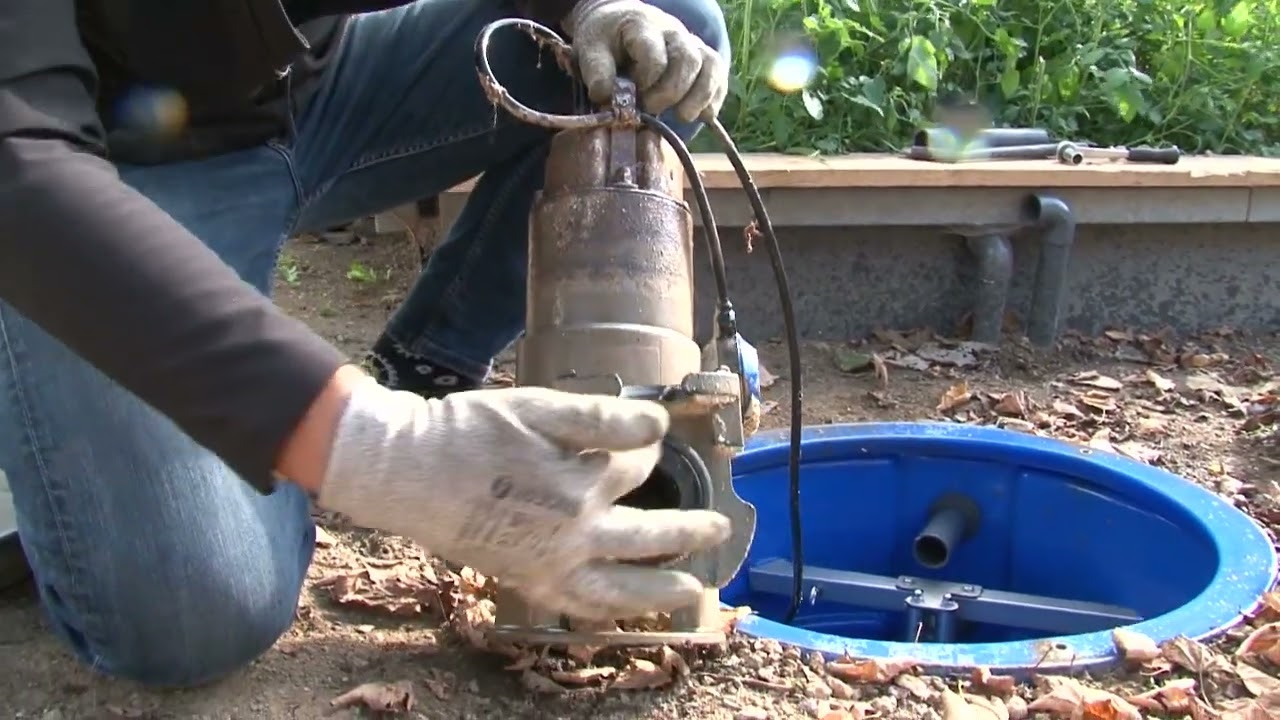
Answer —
104 270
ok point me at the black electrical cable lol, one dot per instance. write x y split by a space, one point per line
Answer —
765 226
726 322
792 335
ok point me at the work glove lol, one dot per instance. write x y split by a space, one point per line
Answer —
519 484
670 66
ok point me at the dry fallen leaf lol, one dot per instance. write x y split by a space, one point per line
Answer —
1013 404
972 707
840 689
1138 451
954 397
1269 608
1094 379
1134 646
1016 706
1256 681
988 708
1262 643
324 539
403 590
1193 656
1101 440
915 685
472 619
673 663
983 680
1097 400
394 697
1201 360
871 671
1176 697
582 653
1161 383
641 675
882 369
1262 708
954 707
583 676
1204 383
1070 699
1066 409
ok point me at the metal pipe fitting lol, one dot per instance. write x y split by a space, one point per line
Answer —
1058 233
952 520
995 271
987 137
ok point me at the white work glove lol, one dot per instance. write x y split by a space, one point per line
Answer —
670 66
520 484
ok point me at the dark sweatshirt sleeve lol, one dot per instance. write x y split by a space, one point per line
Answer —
109 274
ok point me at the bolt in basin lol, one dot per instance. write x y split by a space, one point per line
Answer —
963 546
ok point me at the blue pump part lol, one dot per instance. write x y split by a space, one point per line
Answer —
1066 531
749 361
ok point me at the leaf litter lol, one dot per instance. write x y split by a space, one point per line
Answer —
1130 413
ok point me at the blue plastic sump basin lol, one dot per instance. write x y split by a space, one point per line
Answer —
1057 521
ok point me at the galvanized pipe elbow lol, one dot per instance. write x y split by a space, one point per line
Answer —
1057 224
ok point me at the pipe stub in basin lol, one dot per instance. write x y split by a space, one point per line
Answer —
953 519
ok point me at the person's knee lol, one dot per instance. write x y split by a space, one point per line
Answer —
703 18
218 621
209 585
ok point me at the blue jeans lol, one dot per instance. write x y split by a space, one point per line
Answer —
154 561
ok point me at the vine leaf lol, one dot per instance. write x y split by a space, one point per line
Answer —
922 62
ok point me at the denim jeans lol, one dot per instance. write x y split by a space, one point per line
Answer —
154 561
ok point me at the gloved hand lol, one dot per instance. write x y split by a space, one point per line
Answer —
519 484
670 66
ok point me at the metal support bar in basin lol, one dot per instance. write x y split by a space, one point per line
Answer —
1071 543
973 603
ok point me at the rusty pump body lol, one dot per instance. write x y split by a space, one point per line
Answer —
611 311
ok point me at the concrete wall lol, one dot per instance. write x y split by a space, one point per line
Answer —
849 281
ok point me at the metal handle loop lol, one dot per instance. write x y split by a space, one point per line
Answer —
501 97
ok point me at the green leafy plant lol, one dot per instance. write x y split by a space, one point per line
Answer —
359 272
288 269
1203 75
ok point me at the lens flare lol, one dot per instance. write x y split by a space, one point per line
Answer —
152 110
793 69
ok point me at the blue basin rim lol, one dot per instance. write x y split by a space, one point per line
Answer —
1247 560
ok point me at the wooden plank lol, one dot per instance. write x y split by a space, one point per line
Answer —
888 171
778 171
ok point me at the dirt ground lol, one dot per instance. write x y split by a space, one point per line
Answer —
372 612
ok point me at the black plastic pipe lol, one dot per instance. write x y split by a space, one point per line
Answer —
952 520
995 271
1058 233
